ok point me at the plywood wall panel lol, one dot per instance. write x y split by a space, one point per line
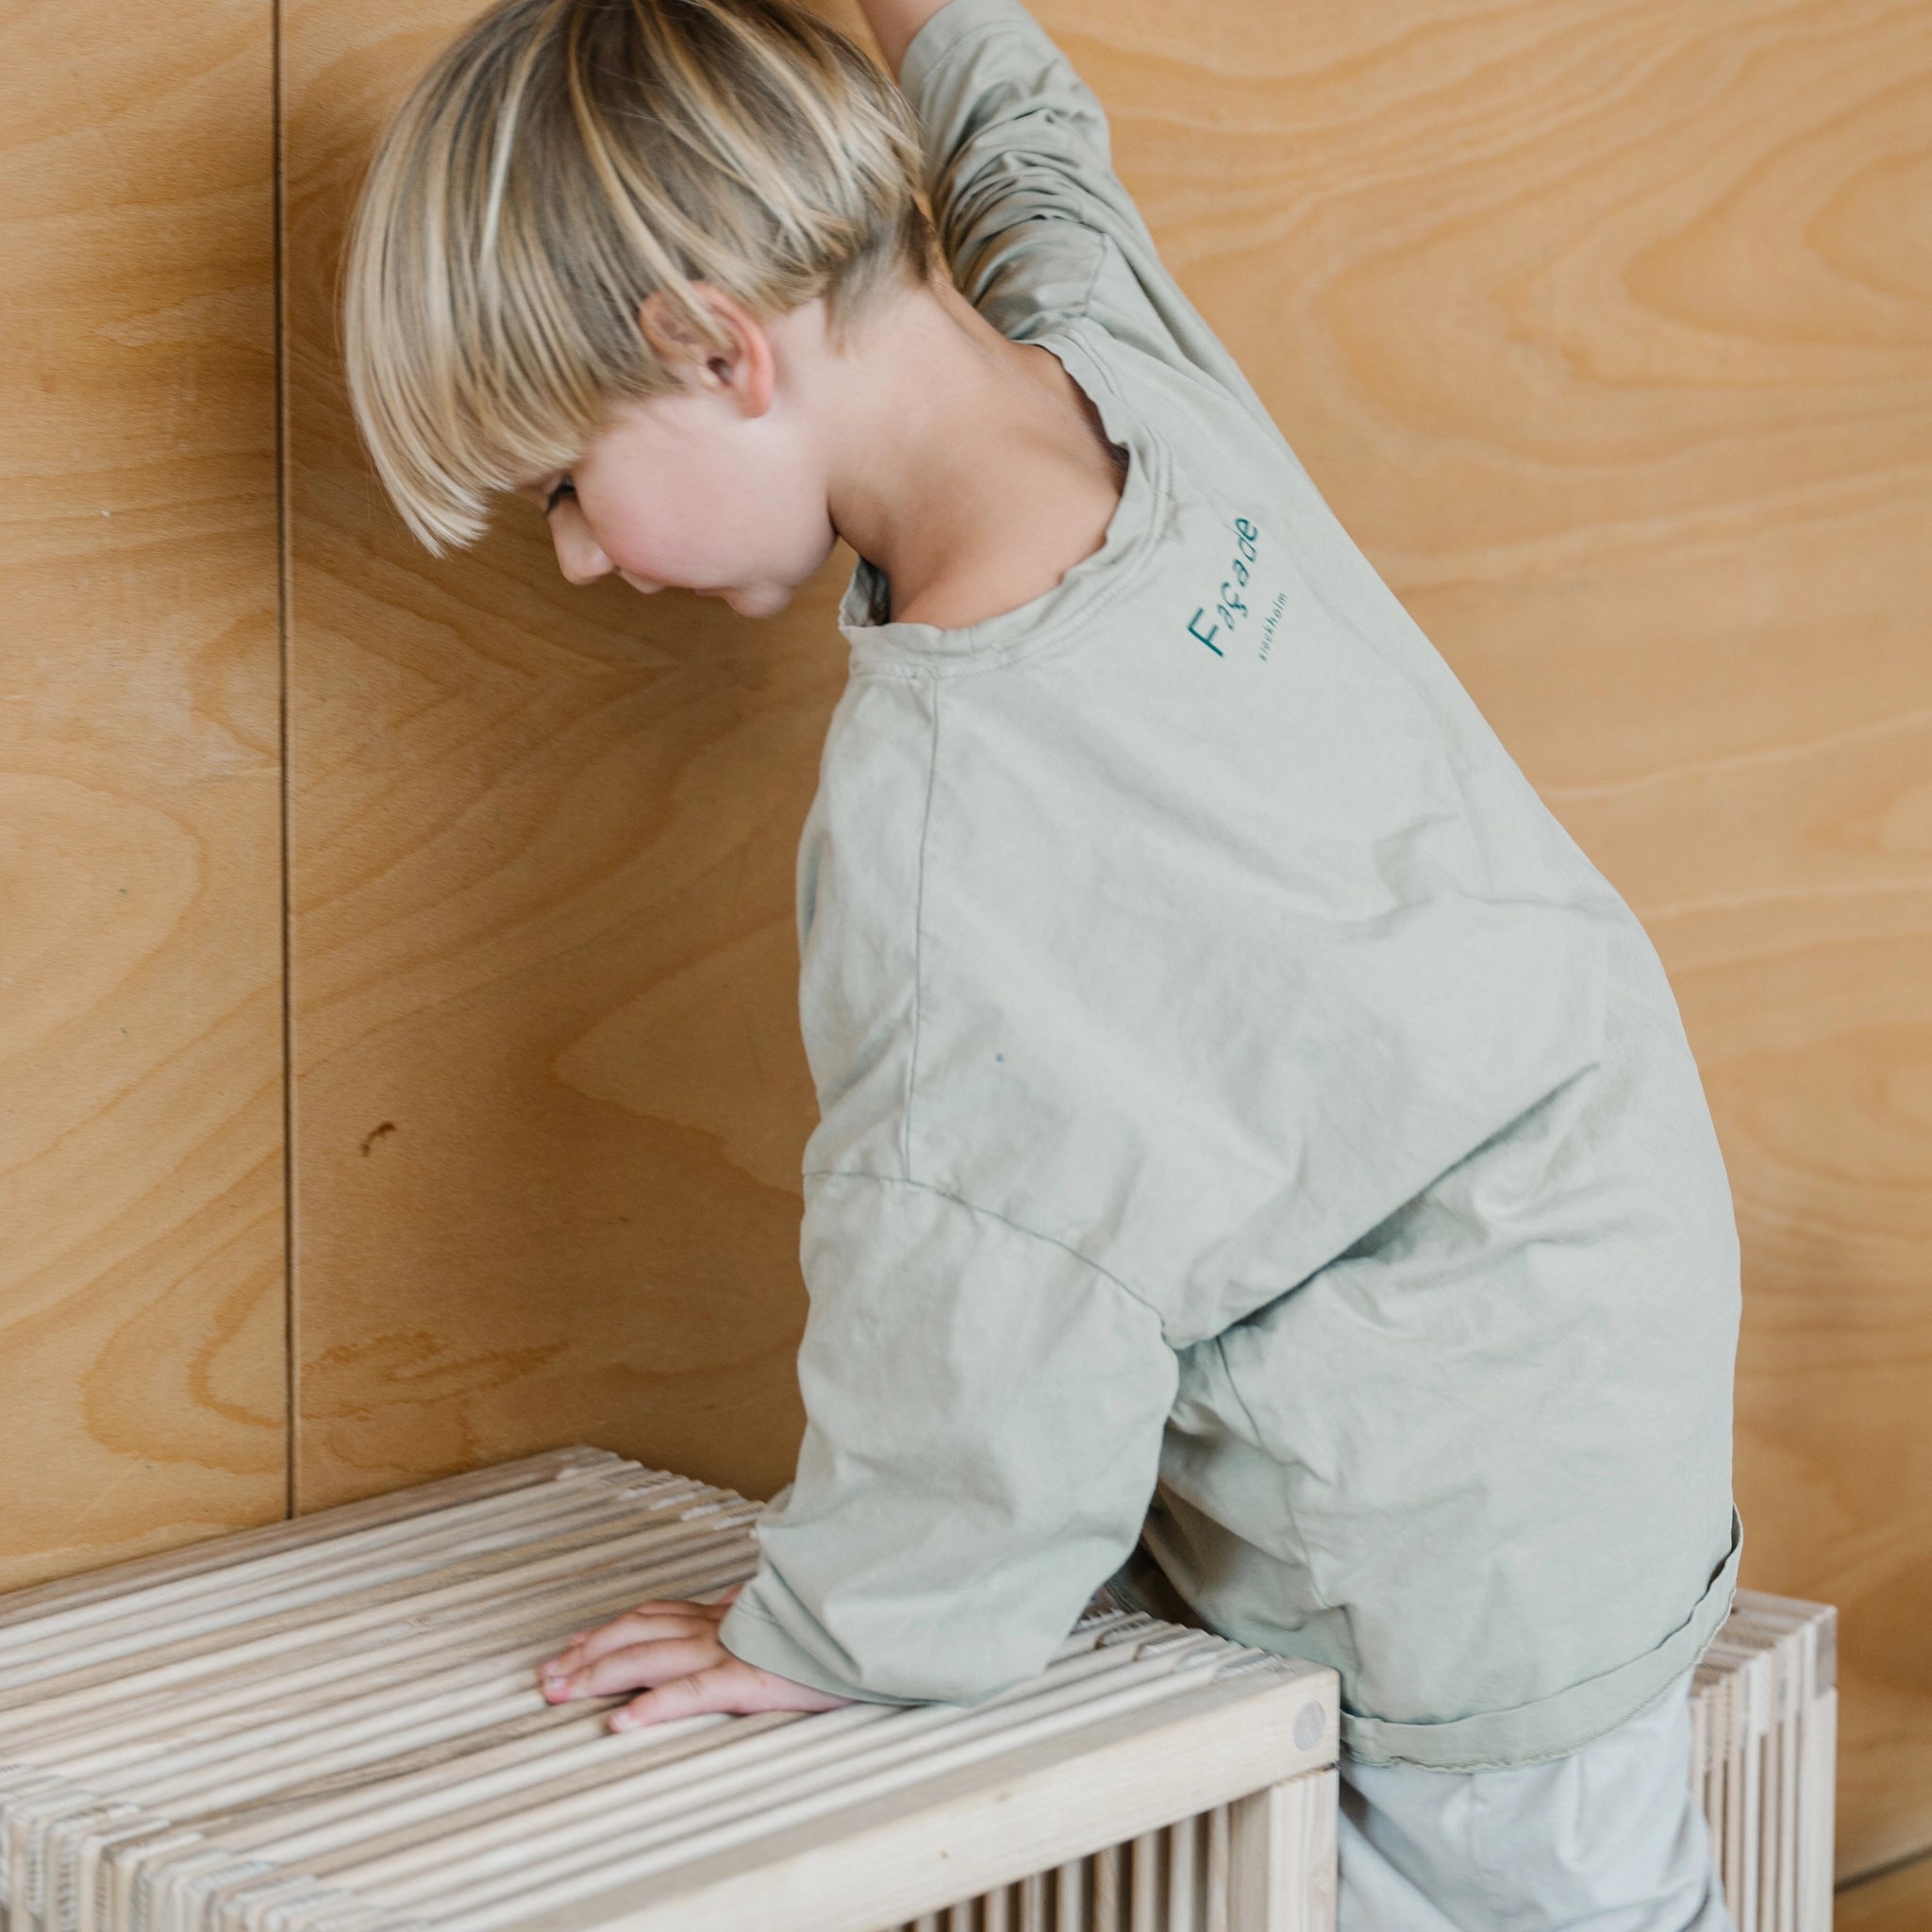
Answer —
551 1098
142 1349
1606 325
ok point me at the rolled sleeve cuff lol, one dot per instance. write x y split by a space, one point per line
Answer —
1557 1726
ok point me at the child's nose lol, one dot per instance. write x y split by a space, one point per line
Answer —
579 556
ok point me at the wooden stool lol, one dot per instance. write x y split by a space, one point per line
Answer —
332 1725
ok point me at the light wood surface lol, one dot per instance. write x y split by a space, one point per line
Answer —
1896 1900
343 1718
1764 1748
141 1380
1067 1794
1282 1857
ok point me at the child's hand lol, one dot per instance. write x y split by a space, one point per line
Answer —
671 1652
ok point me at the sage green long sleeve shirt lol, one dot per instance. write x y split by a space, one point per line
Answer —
1249 1123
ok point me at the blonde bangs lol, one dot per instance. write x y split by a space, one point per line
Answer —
563 160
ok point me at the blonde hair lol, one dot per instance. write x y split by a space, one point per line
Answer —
564 159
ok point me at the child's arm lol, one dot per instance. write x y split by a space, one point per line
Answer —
984 1411
1035 223
984 1424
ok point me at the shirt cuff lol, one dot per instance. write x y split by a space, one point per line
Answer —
756 1638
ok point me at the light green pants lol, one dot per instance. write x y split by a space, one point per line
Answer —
1606 1839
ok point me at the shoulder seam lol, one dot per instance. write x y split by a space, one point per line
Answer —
848 1174
1181 364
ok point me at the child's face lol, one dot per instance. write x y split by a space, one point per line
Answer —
717 489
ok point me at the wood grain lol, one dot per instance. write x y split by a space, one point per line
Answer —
1895 1901
551 1097
1281 1856
1605 326
141 1185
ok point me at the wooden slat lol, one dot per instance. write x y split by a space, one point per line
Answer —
1086 1791
170 1566
1764 1737
1282 1857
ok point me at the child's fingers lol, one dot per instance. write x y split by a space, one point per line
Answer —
642 1625
729 1685
684 1607
635 1668
720 1687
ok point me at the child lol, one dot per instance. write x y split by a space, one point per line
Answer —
1257 1148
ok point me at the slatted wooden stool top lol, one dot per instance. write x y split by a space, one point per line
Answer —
333 1725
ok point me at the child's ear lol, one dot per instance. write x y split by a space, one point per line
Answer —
736 361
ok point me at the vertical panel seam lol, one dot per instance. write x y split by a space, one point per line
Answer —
284 563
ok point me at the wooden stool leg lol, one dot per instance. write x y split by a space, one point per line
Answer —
1281 1858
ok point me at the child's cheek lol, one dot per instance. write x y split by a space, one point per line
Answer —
749 546
667 548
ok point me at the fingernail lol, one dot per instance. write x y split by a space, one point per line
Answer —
622 1721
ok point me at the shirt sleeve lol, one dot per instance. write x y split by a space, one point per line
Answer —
1033 219
984 1416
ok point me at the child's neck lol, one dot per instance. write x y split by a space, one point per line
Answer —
970 471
